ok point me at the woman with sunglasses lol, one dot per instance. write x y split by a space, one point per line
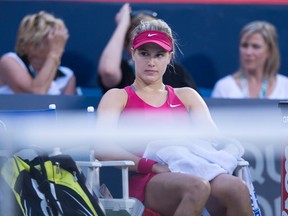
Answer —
116 70
159 106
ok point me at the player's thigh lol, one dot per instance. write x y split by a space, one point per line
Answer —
227 185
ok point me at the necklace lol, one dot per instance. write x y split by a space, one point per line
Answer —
153 99
133 87
245 89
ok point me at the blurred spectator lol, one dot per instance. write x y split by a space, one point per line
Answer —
258 75
35 66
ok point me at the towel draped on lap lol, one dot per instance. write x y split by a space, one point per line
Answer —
198 157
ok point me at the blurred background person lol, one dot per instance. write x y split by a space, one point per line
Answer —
35 66
116 68
258 75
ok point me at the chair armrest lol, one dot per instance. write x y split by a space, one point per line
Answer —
116 163
125 178
89 164
241 163
93 177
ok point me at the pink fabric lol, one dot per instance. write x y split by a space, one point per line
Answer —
167 114
145 165
157 37
150 212
135 102
137 185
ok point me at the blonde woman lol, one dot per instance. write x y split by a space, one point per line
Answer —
258 75
35 68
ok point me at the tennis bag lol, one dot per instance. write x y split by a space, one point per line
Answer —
49 185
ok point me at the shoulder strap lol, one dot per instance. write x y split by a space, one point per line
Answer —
44 185
69 164
25 60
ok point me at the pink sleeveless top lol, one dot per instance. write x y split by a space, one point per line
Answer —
164 114
135 102
168 112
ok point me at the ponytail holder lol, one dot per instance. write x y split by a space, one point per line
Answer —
145 165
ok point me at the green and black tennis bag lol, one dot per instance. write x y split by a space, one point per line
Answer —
48 186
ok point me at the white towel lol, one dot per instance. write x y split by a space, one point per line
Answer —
199 157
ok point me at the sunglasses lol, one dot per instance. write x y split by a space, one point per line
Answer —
145 12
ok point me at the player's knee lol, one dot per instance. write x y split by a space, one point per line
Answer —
197 195
200 189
